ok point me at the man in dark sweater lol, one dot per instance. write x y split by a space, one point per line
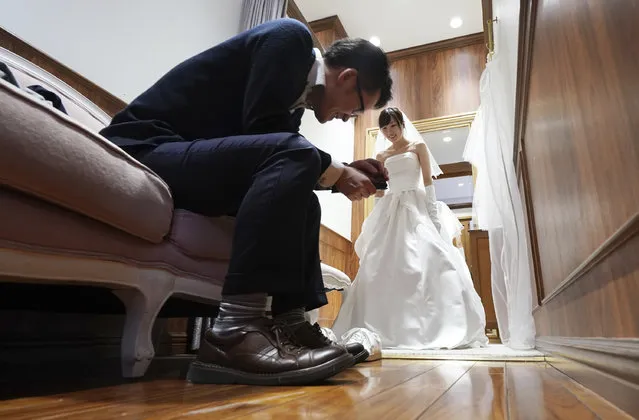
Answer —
222 129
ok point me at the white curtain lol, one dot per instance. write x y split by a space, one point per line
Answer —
256 12
497 201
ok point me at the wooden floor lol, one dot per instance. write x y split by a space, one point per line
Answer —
389 389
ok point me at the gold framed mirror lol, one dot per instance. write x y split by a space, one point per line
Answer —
446 138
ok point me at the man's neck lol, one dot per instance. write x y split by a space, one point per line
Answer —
314 97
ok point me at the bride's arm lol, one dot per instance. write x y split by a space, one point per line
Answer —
431 199
424 162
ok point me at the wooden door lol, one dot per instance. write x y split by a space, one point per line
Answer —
465 238
480 271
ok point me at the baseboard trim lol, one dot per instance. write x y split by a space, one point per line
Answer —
616 240
607 366
458 42
616 357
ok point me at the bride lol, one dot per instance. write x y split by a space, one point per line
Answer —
412 288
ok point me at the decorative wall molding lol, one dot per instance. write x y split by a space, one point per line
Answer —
433 124
608 366
527 17
294 12
331 23
461 41
453 170
626 232
106 101
523 182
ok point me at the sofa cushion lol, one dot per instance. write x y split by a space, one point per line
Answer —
32 225
202 237
48 154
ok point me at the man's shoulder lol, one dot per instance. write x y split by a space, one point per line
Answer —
287 29
292 26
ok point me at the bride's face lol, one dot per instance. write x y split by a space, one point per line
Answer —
392 131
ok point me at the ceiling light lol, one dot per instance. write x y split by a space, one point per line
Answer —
461 184
456 22
375 41
447 139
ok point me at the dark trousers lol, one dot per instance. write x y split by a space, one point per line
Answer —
266 181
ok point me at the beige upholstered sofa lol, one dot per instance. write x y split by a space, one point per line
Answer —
75 209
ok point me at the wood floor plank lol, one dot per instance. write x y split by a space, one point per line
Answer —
388 389
335 402
195 401
204 401
533 394
594 402
257 399
87 400
175 398
410 398
479 394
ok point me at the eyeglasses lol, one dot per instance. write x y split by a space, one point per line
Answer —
361 100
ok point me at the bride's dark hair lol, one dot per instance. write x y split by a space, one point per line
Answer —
390 114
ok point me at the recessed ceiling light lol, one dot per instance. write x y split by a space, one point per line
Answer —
456 22
375 41
447 139
461 184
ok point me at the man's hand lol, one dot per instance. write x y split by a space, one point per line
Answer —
354 184
372 168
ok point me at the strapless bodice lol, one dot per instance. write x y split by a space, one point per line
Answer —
404 172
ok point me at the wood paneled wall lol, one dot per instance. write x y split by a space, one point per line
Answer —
328 30
465 238
582 153
480 267
338 252
294 12
428 81
439 82
578 160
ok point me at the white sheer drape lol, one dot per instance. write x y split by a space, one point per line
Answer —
497 201
256 12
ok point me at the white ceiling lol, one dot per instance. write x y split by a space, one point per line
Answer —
447 152
454 190
399 23
450 190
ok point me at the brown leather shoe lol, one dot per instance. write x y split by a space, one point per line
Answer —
311 336
262 353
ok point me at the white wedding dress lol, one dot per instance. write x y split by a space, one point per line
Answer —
413 287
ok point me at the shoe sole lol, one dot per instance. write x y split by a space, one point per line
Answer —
361 356
205 373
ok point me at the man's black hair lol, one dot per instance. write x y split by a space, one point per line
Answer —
371 63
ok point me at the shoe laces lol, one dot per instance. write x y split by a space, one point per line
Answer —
317 331
285 339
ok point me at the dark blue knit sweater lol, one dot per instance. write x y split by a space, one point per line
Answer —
245 85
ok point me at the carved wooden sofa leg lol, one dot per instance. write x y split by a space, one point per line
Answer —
142 307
